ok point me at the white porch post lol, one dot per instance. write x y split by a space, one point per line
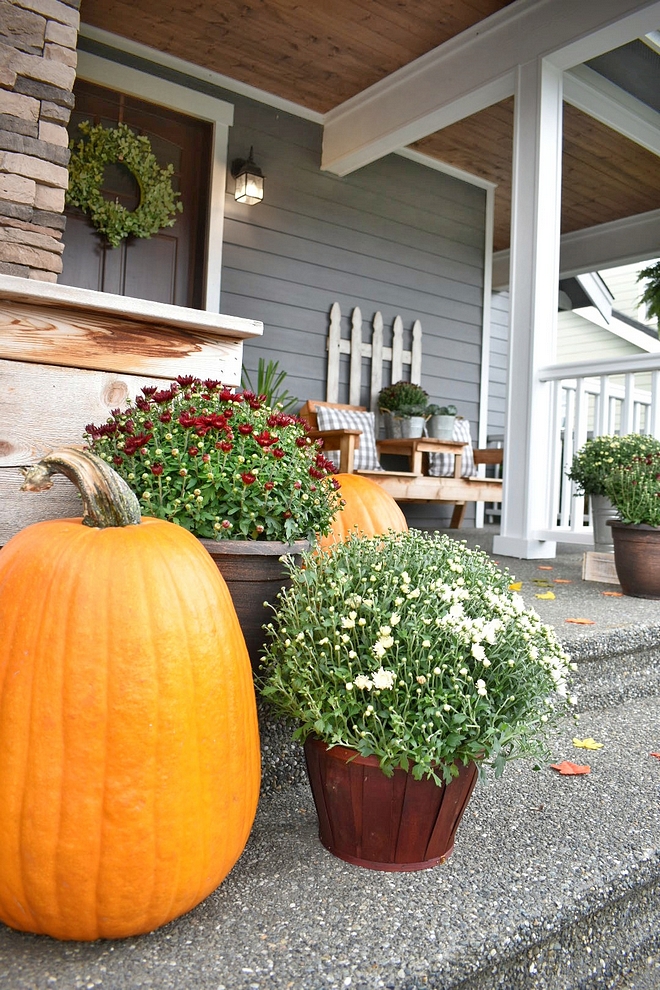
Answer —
535 229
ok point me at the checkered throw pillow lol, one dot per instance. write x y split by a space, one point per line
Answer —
442 465
366 456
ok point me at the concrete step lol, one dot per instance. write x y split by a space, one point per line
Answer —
554 885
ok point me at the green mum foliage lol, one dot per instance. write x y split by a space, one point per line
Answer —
102 146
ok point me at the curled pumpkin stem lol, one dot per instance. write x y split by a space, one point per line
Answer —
107 499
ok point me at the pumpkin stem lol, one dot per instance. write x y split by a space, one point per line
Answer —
107 499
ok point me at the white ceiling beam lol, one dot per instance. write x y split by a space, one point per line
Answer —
620 242
475 70
612 106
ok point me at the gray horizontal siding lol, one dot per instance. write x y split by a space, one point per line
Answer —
394 237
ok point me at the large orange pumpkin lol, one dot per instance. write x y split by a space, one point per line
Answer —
368 510
130 766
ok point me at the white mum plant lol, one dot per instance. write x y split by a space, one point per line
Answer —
412 648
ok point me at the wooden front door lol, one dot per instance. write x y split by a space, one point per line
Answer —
170 266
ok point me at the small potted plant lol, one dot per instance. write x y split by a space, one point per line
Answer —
634 490
440 421
244 478
403 406
593 464
409 666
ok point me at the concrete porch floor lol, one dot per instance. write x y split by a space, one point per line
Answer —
554 882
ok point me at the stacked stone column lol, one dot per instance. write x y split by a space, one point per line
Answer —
37 72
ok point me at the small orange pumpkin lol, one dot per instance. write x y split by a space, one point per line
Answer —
130 762
368 510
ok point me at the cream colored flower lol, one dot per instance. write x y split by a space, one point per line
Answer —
383 680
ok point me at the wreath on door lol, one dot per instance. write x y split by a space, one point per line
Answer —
101 146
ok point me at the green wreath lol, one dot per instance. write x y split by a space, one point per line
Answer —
158 204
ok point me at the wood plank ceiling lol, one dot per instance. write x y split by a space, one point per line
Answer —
320 54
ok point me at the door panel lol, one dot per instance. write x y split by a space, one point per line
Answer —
170 266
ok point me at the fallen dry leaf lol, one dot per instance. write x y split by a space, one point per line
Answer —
613 594
657 755
562 581
588 743
582 622
547 595
516 586
545 567
569 769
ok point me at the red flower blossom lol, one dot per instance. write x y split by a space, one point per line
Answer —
193 451
279 453
166 395
248 478
156 469
246 429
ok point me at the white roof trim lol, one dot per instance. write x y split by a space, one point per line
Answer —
438 166
197 72
612 106
620 329
474 70
619 242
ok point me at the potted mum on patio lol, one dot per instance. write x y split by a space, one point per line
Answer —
634 490
593 464
244 478
410 667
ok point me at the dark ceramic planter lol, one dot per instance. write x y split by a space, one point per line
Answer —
396 823
637 558
254 574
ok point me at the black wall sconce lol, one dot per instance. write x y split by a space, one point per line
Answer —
249 180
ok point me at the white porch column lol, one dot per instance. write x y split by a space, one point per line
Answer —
535 229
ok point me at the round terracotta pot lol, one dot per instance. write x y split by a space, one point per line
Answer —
393 823
254 574
637 558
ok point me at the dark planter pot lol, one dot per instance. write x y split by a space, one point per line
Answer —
637 558
254 574
396 823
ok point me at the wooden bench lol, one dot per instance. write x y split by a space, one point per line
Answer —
415 485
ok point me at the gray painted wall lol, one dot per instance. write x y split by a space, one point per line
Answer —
395 237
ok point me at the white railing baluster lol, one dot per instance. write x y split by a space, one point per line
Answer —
654 425
598 397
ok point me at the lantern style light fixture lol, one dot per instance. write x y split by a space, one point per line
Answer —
249 180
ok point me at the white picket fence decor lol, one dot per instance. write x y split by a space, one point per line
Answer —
374 349
595 398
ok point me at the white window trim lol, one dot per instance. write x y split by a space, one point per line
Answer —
132 82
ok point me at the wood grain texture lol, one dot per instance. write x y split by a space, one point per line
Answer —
315 54
42 407
62 336
605 176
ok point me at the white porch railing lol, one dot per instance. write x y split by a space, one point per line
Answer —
592 398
